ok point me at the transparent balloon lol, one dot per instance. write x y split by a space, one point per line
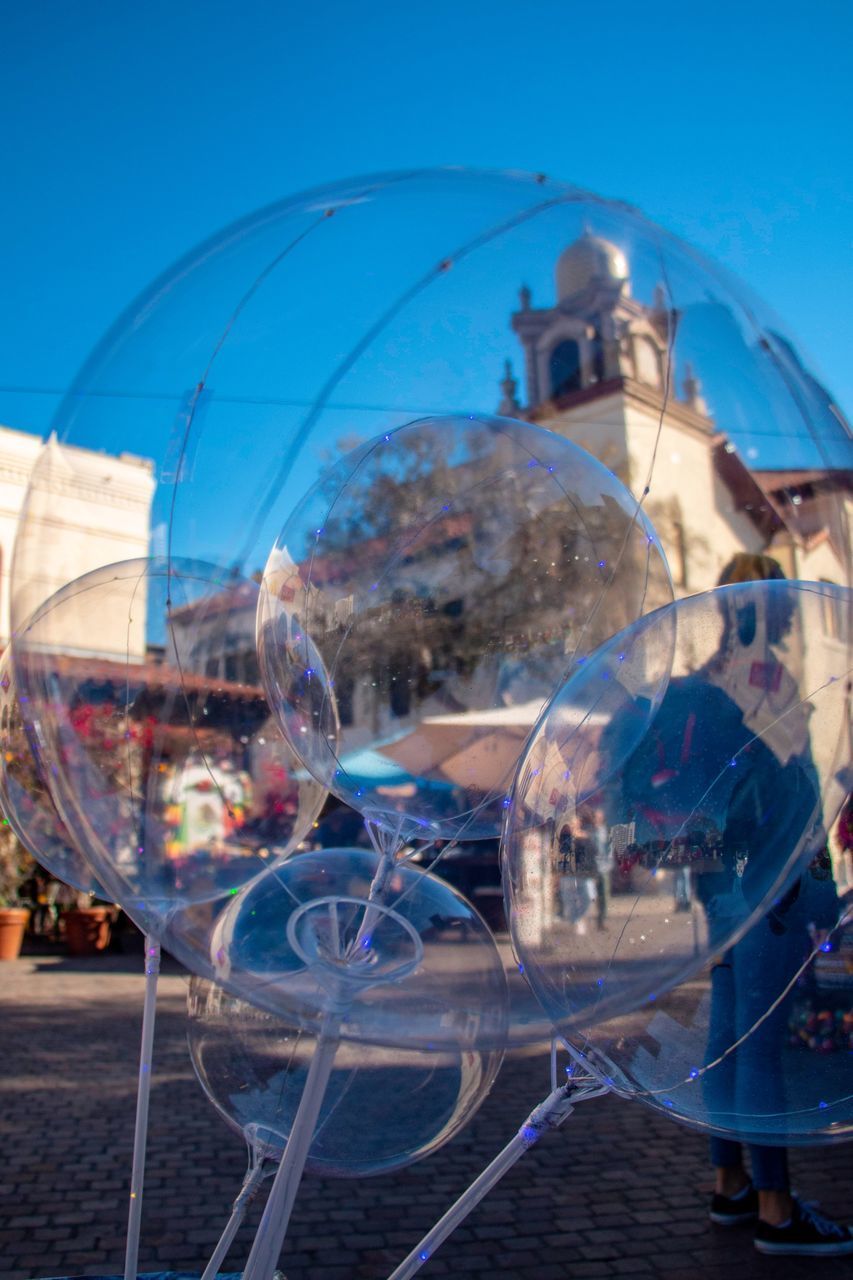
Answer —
647 832
757 1045
384 1107
394 955
25 800
160 752
337 315
427 597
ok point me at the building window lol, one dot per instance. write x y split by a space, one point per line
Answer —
597 351
565 368
834 610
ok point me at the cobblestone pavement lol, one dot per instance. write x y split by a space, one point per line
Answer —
617 1192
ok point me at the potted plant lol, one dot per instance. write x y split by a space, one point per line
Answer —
88 925
16 866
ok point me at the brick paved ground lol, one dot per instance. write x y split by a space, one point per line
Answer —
617 1192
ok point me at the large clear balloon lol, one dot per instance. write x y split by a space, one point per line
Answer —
394 954
427 597
646 832
25 800
384 1107
757 1045
337 315
161 756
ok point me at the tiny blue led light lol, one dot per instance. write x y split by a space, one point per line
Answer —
823 1105
365 942
309 671
506 802
694 1073
521 968
551 469
375 585
446 506
733 764
602 563
621 657
533 463
599 982
528 1133
668 1102
827 946
318 532
652 997
386 438
423 1256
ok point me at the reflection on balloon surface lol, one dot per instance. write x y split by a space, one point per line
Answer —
25 800
384 1107
321 322
646 833
757 1045
435 586
164 762
399 956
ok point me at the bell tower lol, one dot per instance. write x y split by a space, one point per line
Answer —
596 333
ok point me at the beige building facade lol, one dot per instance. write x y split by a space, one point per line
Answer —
83 510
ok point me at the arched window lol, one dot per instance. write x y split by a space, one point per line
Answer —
565 368
598 357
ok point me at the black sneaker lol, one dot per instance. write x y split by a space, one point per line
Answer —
808 1233
733 1211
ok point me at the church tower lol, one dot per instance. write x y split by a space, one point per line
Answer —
599 369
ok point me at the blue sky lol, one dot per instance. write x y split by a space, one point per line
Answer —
131 132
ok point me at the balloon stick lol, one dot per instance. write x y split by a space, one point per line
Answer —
261 1263
143 1094
549 1114
255 1174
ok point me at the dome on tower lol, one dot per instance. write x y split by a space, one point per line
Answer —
589 259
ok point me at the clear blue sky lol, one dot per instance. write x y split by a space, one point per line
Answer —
132 131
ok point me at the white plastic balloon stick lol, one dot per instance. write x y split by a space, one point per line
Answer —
549 1114
255 1175
268 1242
143 1094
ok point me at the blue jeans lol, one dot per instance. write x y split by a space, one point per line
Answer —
747 1083
769 1164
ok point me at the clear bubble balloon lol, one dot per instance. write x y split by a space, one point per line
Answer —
384 1107
161 755
25 800
427 597
757 1045
394 954
334 316
647 832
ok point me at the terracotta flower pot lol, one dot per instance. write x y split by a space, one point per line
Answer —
87 930
13 923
